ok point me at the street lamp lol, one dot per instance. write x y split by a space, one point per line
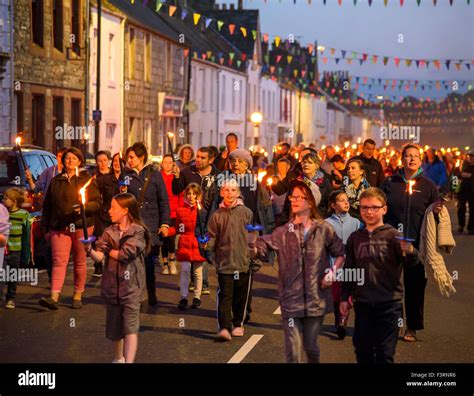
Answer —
256 119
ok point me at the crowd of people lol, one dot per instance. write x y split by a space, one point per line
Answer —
316 212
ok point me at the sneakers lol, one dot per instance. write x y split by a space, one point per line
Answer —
152 300
223 336
238 331
121 360
166 270
49 303
76 304
183 303
191 288
205 292
196 303
460 229
10 304
172 266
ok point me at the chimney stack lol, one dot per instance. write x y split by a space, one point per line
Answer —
231 7
240 5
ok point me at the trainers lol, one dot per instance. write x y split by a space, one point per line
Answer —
223 335
183 303
49 303
152 300
173 270
196 303
206 292
238 331
166 270
191 288
460 229
121 360
10 304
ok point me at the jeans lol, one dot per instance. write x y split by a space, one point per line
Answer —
302 333
12 262
185 274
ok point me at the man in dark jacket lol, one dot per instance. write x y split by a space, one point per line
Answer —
222 161
147 185
373 168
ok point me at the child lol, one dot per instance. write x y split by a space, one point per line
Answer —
4 233
303 246
188 247
380 256
124 246
344 225
228 240
18 246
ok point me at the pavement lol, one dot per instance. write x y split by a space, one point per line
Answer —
32 334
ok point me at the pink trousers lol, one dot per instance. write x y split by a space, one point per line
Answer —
62 243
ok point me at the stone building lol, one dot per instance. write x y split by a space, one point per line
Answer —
50 69
6 70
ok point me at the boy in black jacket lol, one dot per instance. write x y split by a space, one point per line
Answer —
376 252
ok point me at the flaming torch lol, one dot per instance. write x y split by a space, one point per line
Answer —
82 206
170 135
406 222
122 183
18 146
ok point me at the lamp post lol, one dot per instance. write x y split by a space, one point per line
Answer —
256 119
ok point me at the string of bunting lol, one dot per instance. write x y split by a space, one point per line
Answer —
385 2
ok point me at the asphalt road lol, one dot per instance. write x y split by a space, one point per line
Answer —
31 334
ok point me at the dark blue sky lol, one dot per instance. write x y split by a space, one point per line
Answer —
441 32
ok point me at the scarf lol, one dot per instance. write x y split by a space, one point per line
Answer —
418 173
434 240
237 202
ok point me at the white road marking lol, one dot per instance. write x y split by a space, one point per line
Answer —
246 348
277 311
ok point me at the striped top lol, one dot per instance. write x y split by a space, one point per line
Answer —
18 221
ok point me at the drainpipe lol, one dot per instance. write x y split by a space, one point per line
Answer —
218 104
12 70
87 88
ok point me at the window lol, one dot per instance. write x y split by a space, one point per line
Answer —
111 58
76 26
223 90
148 57
240 97
169 64
147 133
37 121
19 111
58 121
48 160
132 131
211 98
76 119
34 163
202 75
58 24
93 57
109 136
234 87
131 55
37 22
194 83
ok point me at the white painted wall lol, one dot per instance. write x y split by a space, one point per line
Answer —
111 89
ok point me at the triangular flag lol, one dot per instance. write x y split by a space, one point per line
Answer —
186 52
231 28
254 34
343 53
208 22
278 58
172 9
244 31
231 55
184 13
159 4
397 61
244 57
265 37
196 17
219 25
289 58
277 40
385 60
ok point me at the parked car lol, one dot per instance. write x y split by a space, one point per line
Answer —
12 174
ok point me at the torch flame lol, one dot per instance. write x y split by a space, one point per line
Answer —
411 183
82 191
199 205
297 155
18 141
170 134
359 140
261 175
458 163
270 181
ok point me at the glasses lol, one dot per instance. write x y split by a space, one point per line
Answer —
412 156
373 209
296 198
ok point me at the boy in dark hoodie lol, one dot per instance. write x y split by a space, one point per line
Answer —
228 241
380 256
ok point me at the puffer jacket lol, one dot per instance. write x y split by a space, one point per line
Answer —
123 281
186 222
302 263
156 209
62 195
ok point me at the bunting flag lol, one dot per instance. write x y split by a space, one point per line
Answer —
196 17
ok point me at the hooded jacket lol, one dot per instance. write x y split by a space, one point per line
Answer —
302 265
156 209
62 195
186 222
379 255
228 238
344 225
373 170
123 280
